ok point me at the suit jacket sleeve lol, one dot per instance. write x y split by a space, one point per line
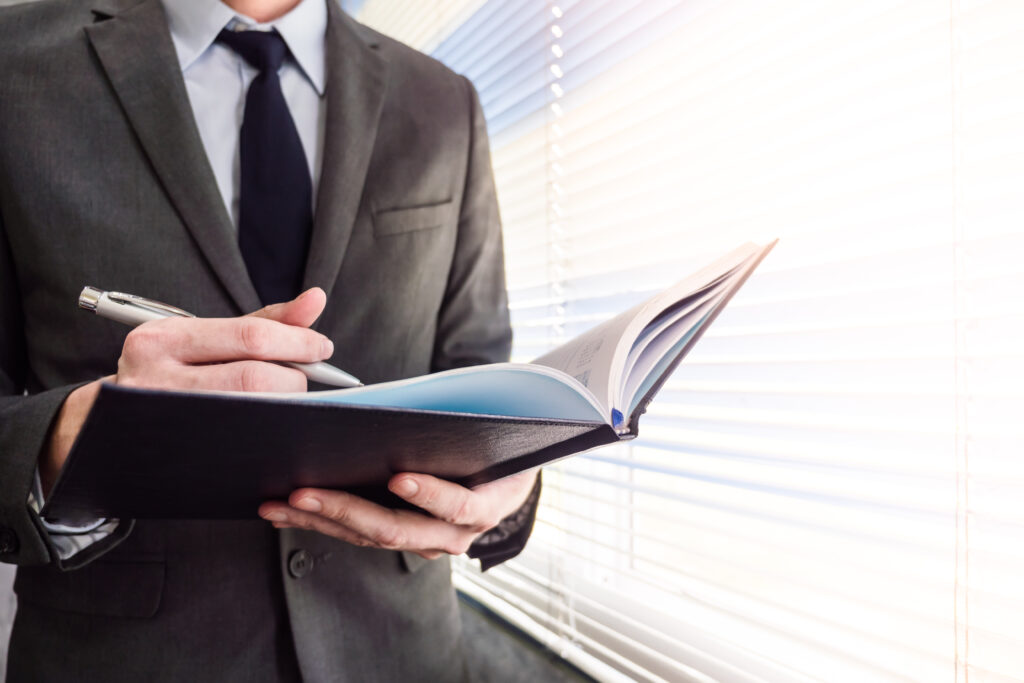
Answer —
25 422
473 325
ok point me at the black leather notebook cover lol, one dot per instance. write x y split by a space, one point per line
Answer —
145 453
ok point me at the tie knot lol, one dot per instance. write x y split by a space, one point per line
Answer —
264 50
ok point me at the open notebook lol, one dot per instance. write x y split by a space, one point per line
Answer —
149 453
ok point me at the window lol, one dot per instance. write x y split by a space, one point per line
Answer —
830 485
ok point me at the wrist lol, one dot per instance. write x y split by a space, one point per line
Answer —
64 431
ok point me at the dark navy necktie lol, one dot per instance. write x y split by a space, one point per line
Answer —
275 215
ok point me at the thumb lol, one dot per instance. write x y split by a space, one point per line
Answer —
302 311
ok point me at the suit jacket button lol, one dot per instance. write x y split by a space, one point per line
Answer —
300 563
8 541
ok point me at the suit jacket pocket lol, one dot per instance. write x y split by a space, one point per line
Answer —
112 589
397 221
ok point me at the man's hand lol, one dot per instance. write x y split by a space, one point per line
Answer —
459 514
190 354
227 353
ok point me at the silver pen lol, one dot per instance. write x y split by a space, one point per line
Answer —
135 310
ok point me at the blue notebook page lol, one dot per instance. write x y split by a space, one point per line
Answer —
500 389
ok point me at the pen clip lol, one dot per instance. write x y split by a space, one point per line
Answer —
160 307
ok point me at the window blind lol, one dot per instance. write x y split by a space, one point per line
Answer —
829 486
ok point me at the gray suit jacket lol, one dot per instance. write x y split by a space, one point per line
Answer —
104 181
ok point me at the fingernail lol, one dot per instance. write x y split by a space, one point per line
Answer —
276 516
405 488
309 504
326 348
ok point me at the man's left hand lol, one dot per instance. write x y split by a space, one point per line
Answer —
460 515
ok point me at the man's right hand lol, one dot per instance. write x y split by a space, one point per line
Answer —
190 354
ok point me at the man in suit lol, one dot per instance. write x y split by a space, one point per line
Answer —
120 167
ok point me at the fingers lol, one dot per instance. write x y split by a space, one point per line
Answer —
447 501
481 508
227 353
460 514
204 340
361 522
248 375
302 311
323 526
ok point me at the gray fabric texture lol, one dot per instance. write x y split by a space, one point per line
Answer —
7 606
104 181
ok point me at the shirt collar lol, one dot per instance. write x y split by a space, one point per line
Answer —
194 25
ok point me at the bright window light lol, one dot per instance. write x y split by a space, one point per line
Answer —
829 486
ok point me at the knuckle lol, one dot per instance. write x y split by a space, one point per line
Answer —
428 497
253 377
253 337
341 514
463 515
140 342
390 537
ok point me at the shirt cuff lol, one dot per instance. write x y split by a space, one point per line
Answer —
36 501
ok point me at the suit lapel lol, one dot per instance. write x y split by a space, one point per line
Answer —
356 78
134 46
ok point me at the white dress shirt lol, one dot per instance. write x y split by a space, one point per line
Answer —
217 80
